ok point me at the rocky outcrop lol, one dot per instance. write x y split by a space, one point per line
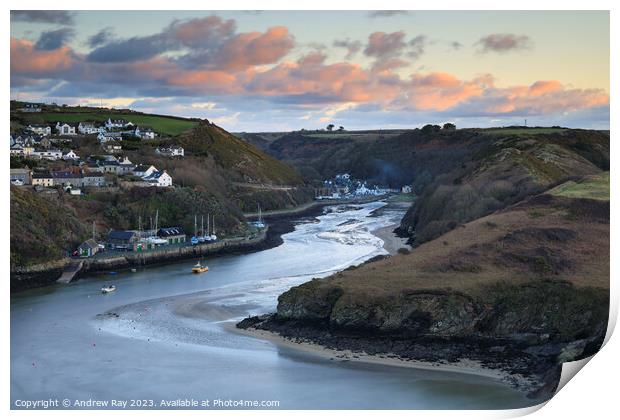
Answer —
526 330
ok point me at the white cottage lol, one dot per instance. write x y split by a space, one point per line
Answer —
66 129
159 179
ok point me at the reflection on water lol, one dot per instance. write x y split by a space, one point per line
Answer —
162 334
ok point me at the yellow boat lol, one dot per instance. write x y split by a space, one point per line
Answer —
199 268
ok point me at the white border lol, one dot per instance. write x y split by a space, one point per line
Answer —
592 395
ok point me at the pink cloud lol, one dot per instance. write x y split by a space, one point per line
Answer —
26 59
255 48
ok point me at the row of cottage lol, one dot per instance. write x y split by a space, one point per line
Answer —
110 130
91 174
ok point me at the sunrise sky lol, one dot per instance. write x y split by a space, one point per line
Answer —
276 71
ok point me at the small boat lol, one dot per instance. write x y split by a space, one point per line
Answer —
133 270
108 289
199 268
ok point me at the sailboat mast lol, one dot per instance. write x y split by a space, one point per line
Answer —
208 215
195 233
202 225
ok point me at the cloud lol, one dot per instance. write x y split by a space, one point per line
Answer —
502 43
386 13
352 47
102 37
382 45
26 60
209 42
416 46
61 17
456 45
52 40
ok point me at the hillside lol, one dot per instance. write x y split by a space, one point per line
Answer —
522 289
504 170
220 175
510 265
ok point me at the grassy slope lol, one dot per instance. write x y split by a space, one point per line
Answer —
161 124
538 268
595 187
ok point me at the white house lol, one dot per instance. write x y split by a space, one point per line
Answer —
144 170
70 155
171 151
87 128
159 179
119 123
30 107
406 189
41 129
66 129
105 136
144 133
51 154
111 148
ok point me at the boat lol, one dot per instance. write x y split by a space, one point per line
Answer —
108 289
259 223
199 268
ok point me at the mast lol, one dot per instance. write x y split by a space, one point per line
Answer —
94 230
156 219
213 224
202 225
195 234
208 215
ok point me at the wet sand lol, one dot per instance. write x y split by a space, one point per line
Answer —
391 242
463 366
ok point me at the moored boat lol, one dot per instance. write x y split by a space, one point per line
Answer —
199 268
108 289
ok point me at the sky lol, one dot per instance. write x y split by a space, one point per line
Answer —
287 70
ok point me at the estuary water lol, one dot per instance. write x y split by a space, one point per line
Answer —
164 338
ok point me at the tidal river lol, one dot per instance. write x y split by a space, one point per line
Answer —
167 334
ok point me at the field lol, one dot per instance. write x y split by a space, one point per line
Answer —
519 131
161 124
594 187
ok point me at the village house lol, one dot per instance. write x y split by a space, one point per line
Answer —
17 150
67 178
144 133
109 166
105 136
42 129
51 154
43 179
174 235
93 179
70 155
171 151
31 107
125 166
144 170
123 240
112 148
66 129
406 189
88 248
21 176
111 124
88 128
159 179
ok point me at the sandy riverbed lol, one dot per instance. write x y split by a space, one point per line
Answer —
391 242
463 366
